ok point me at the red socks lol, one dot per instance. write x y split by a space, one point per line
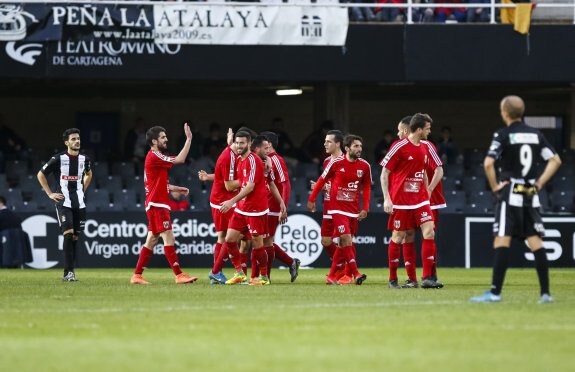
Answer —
393 253
351 263
331 249
217 249
255 267
143 260
337 262
281 255
244 258
410 260
171 255
271 256
428 256
261 257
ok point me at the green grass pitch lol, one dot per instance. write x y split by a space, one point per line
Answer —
103 323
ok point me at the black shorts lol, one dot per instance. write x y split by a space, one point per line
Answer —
71 218
517 222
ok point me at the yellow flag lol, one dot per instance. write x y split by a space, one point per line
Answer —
520 16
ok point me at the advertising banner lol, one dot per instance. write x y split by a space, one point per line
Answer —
114 239
186 23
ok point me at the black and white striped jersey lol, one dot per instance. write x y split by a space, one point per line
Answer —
520 152
69 170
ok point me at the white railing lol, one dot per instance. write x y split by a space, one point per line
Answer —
409 5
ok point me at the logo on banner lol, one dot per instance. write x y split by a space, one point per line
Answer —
311 26
44 237
300 237
25 54
13 22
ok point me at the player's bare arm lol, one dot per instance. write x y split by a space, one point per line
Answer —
179 189
228 204
55 196
205 176
276 194
232 185
181 157
489 166
551 168
87 179
384 179
437 176
362 215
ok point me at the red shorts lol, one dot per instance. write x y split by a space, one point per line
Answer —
344 225
409 219
158 220
255 225
221 220
327 226
273 223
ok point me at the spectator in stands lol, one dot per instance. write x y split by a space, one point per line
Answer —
215 143
357 14
385 14
450 14
383 146
286 146
312 146
478 14
8 219
423 15
178 201
135 145
12 146
446 147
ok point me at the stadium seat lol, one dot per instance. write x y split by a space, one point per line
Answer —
454 171
123 169
563 201
112 183
482 201
200 201
124 198
449 184
473 157
307 170
15 171
97 200
455 201
474 184
564 182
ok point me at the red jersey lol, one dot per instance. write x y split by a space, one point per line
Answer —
407 163
156 179
437 200
281 180
225 171
251 169
326 197
347 178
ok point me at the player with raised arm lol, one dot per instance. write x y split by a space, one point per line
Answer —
158 189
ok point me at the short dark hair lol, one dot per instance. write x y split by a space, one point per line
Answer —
243 134
68 132
348 140
406 120
418 121
272 138
337 135
2 200
252 132
258 141
154 133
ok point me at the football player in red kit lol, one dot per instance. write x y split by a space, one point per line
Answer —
158 189
349 175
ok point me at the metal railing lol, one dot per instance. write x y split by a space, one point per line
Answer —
409 5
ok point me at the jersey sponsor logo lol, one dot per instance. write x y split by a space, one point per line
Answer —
360 173
419 174
523 138
70 178
425 217
353 185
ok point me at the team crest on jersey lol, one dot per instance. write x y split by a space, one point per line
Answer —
359 173
341 229
397 224
166 224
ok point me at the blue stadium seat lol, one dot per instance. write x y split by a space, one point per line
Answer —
474 184
455 201
454 171
563 201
